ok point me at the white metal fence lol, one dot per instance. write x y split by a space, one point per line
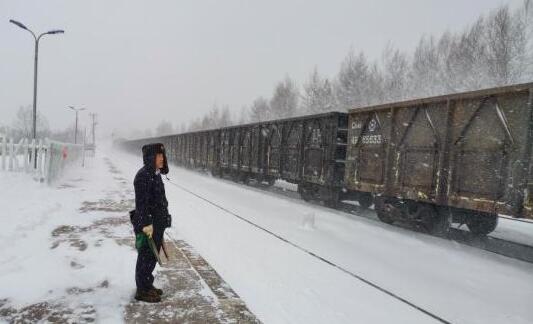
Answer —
49 157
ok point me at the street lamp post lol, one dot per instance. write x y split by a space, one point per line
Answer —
76 127
36 38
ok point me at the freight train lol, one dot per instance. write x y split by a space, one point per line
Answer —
459 158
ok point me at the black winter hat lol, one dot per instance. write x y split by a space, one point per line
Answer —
149 153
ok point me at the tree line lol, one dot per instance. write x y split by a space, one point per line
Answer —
22 127
495 50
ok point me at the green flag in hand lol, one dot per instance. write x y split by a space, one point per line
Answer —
140 240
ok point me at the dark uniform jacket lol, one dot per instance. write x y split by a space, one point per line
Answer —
151 205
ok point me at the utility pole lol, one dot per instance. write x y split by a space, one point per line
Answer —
37 39
93 116
76 127
83 149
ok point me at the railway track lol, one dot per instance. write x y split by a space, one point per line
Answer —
517 219
496 245
514 250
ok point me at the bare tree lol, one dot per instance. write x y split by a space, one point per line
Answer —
465 63
196 124
260 110
352 81
373 93
215 118
318 95
23 124
528 22
284 102
209 120
182 127
135 133
225 118
242 118
395 74
506 46
425 68
497 49
164 128
4 130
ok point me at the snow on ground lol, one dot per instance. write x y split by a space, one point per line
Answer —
42 262
70 258
281 284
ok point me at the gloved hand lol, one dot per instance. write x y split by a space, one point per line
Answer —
148 230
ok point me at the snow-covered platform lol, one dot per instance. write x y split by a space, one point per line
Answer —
68 256
194 293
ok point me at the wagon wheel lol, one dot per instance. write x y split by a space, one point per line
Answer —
332 202
433 222
305 193
332 198
382 213
365 200
235 176
384 216
306 196
482 224
245 179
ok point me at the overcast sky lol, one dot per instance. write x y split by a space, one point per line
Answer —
137 62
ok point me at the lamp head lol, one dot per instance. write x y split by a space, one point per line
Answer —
21 25
56 31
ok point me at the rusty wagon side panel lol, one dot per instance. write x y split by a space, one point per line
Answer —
299 149
470 151
308 149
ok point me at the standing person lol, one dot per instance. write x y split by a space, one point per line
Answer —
150 218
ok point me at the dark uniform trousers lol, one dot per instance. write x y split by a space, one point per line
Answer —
146 261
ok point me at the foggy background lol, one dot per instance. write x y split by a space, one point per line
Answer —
136 63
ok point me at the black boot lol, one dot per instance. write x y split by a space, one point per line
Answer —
148 296
158 291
